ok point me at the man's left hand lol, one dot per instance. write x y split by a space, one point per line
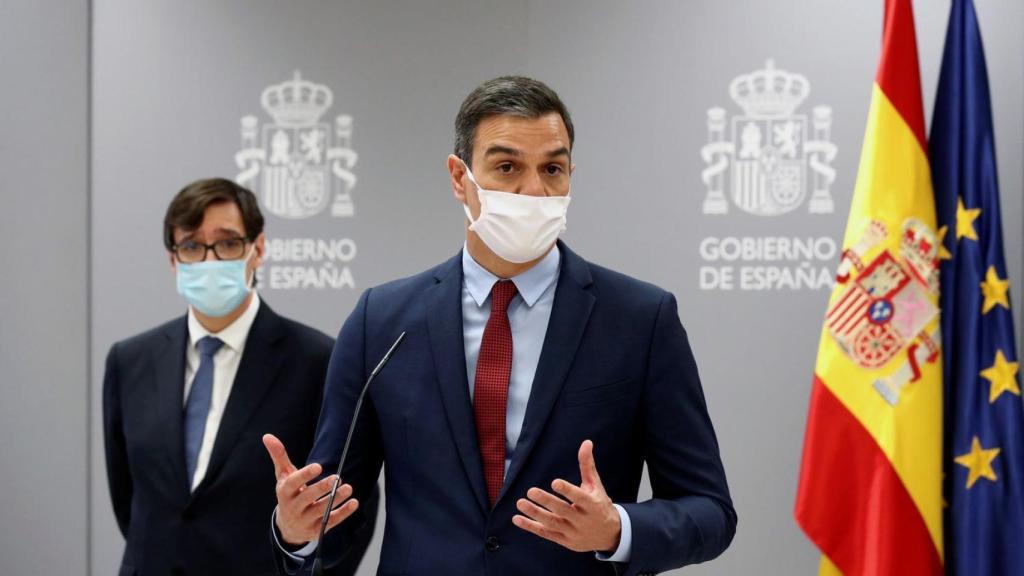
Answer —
583 520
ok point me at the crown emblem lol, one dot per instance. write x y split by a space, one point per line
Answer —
299 161
771 157
296 103
920 248
769 93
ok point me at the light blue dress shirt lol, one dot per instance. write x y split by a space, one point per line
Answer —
528 315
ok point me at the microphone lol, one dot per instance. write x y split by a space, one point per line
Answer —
318 569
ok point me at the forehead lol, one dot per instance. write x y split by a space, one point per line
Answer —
541 134
219 220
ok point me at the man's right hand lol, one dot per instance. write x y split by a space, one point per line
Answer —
300 508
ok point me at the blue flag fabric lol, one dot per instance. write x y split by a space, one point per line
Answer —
984 416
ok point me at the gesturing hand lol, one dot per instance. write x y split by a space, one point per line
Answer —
585 520
300 508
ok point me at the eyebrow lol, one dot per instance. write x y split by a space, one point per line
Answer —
563 151
497 149
230 231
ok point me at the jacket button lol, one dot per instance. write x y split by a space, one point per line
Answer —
492 544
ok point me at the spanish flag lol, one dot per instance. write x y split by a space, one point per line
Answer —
870 494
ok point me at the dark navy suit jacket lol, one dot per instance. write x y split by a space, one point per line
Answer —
615 367
221 527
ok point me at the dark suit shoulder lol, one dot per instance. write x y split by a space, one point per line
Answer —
625 292
142 342
306 337
629 285
403 288
608 285
402 303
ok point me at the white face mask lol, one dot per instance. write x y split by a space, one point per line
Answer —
517 227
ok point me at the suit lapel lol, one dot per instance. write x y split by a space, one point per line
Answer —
169 363
444 323
569 315
260 363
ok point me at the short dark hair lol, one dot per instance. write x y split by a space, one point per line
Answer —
188 207
514 95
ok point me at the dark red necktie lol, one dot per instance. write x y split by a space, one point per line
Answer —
490 390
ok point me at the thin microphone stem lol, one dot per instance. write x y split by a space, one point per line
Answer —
317 563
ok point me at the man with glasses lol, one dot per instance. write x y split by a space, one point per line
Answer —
185 404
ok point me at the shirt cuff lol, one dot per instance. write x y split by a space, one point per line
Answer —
623 552
300 554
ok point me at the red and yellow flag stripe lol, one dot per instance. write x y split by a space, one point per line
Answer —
870 482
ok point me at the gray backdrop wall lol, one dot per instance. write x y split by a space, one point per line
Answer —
44 307
176 95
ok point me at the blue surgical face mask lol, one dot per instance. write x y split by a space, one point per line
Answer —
214 287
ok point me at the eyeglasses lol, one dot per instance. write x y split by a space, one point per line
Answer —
227 249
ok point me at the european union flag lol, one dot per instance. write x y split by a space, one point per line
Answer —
984 416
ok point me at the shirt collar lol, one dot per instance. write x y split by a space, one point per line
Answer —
234 335
531 284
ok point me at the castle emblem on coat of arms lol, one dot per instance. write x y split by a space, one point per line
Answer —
774 154
297 163
887 304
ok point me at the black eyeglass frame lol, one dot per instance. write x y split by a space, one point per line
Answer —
213 246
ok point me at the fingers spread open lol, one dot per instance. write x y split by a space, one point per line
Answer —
314 492
282 464
549 501
537 528
571 492
588 467
295 481
342 512
542 515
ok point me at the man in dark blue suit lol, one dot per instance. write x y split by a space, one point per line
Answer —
514 421
185 404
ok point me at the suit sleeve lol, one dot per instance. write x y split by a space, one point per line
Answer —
346 374
119 477
690 518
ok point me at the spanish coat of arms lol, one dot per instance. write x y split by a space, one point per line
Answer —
765 162
886 304
296 163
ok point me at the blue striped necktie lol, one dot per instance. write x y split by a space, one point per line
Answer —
198 405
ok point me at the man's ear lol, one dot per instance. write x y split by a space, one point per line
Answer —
456 173
173 261
259 246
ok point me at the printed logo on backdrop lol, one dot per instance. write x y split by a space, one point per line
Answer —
775 161
301 166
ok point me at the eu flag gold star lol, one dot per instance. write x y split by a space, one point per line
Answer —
965 221
994 289
978 462
943 253
1003 376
